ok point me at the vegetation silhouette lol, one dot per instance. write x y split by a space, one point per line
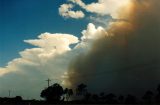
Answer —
56 94
121 99
5 100
157 97
53 93
81 89
148 97
68 93
130 99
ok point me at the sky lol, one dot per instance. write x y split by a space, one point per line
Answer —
27 44
75 41
26 19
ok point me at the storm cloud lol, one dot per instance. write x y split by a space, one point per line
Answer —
127 59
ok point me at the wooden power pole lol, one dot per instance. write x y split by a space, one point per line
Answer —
48 81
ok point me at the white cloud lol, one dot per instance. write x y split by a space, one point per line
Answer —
103 7
49 41
65 11
50 59
93 33
2 71
90 35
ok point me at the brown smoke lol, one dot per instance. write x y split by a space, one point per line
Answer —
128 60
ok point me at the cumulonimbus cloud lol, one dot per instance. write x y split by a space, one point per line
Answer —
29 72
50 58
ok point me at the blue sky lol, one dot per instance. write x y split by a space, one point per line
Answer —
26 19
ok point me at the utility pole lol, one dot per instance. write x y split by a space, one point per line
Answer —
48 80
9 93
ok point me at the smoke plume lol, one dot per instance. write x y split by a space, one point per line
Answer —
127 59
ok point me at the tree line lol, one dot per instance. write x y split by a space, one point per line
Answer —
57 94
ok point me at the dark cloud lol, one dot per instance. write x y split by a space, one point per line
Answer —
128 60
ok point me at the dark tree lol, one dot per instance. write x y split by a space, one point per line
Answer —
130 99
157 98
158 89
95 97
68 93
52 93
102 94
81 89
87 97
102 97
148 97
18 99
158 95
110 98
121 99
